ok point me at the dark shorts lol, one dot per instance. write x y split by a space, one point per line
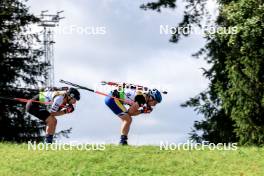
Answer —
36 109
115 105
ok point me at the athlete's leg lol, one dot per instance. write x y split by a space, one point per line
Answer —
126 122
51 123
119 109
40 112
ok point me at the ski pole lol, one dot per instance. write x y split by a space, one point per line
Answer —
23 100
130 102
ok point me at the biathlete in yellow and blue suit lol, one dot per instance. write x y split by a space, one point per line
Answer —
141 102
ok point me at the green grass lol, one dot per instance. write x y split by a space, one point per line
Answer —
16 159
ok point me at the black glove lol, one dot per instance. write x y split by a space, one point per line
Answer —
69 109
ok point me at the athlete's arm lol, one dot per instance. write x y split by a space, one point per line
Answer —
133 110
139 102
57 102
59 113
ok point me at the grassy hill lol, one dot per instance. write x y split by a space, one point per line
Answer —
16 159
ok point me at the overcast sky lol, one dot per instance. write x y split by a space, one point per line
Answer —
131 49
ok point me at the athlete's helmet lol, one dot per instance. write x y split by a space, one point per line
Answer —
156 95
74 93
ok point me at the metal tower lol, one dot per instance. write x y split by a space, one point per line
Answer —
48 22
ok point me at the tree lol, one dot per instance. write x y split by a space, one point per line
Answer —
233 104
245 68
19 66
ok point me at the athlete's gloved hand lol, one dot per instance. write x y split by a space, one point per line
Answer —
146 110
69 109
